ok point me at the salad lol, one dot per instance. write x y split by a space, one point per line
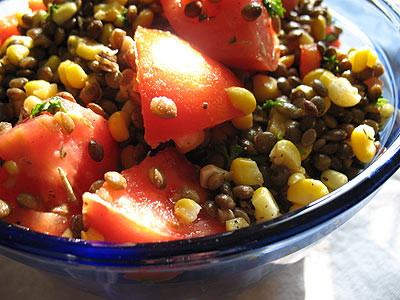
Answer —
156 120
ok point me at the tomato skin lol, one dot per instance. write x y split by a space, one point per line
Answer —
310 58
8 27
169 67
36 146
289 5
36 5
226 36
143 213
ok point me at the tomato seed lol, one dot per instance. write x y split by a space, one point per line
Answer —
163 107
115 180
29 201
96 151
157 178
5 209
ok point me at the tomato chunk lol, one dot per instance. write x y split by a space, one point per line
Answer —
289 5
169 69
143 213
32 152
310 58
8 27
222 33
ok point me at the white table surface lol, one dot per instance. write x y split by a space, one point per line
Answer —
360 260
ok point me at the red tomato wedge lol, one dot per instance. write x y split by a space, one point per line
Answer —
8 27
310 58
143 213
39 146
224 34
289 5
36 5
169 67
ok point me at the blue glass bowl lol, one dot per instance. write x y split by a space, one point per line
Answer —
220 265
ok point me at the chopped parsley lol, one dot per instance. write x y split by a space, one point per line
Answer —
331 64
123 17
380 101
2 161
269 103
232 40
52 106
330 38
229 152
274 8
53 8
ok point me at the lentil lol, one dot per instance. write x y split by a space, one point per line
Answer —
251 11
28 201
157 178
96 151
115 180
5 209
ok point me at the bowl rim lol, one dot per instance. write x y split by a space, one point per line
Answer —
220 246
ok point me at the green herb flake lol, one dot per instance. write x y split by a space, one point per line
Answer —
380 101
229 152
52 106
331 64
123 17
62 151
269 103
280 137
2 161
232 40
330 38
274 8
53 8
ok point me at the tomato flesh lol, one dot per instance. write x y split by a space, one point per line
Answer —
169 67
8 27
225 35
143 213
310 58
39 146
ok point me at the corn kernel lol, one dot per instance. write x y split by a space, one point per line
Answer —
145 19
15 53
265 88
305 191
242 99
362 58
235 223
295 177
76 76
53 62
295 206
318 28
21 39
88 49
333 179
362 142
108 11
92 235
31 101
244 122
307 90
117 125
277 122
106 33
264 205
64 12
245 171
186 210
287 60
286 153
314 74
306 38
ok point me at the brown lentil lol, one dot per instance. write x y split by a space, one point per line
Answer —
157 178
243 191
225 201
225 214
210 208
28 201
308 138
335 135
264 141
215 181
18 82
96 185
187 192
251 11
96 108
115 180
238 212
77 225
321 161
96 151
193 9
45 73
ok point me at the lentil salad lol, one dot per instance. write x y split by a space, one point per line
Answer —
311 123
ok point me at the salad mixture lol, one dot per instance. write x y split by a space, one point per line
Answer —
157 120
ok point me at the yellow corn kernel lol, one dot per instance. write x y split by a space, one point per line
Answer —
92 235
362 58
386 110
333 179
295 177
189 141
242 99
277 122
118 126
31 101
305 191
15 53
76 76
244 122
295 206
88 49
67 234
304 151
108 11
245 171
53 62
340 90
106 33
11 167
72 43
362 142
64 12
307 90
21 39
306 38
235 223
145 19
186 210
62 72
287 60
328 104
265 88
314 74
318 28
265 207
286 153
41 89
